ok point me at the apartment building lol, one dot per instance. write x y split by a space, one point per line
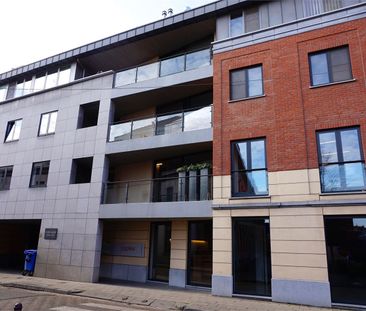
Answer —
221 147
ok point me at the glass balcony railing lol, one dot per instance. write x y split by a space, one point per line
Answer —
184 121
190 188
164 67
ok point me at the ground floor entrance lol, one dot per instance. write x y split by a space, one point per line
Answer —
251 256
346 253
15 237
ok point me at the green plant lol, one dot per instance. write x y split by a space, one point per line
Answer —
194 167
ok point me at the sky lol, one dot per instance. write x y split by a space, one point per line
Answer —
31 30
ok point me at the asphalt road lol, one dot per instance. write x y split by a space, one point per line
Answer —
41 301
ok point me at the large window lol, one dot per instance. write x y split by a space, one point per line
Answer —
39 174
330 66
48 123
251 19
5 177
246 82
243 22
248 168
13 130
341 160
236 24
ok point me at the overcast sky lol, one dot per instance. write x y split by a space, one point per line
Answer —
34 29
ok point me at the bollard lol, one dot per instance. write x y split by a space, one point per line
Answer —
18 307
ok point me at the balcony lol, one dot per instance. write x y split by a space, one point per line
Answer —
171 123
164 67
195 187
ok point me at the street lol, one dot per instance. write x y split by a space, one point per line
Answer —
41 301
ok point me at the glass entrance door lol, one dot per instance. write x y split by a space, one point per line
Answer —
160 251
346 252
200 253
252 256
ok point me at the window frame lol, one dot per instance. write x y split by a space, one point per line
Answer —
245 69
32 172
329 65
6 168
337 135
7 132
48 123
265 168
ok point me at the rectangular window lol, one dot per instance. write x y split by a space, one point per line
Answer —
5 177
3 91
341 161
88 115
81 170
249 168
236 24
13 130
39 174
330 66
251 19
246 82
48 123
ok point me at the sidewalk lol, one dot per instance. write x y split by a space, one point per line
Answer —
153 297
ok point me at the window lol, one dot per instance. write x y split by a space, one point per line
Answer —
39 174
3 91
5 177
330 66
246 82
81 170
248 168
314 7
251 19
236 24
48 123
341 161
13 130
88 115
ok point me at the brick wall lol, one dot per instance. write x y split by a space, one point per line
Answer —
290 112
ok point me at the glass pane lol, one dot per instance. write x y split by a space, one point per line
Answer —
240 160
52 125
147 72
319 69
250 183
198 119
255 81
236 24
346 252
354 176
64 76
27 87
39 83
115 193
44 124
237 84
350 145
341 69
330 178
3 91
200 253
169 124
251 18
120 131
143 128
258 154
51 80
198 59
171 65
328 147
330 5
19 89
17 127
125 77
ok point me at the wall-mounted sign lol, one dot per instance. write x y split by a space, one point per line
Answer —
124 249
50 233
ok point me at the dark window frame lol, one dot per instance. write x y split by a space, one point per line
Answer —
249 169
33 172
337 134
2 183
329 65
245 69
40 123
8 130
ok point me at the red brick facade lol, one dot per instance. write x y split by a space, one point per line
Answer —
291 111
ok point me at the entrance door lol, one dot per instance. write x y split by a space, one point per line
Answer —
252 256
160 251
200 253
346 252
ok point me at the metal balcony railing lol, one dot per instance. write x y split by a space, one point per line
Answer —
189 188
171 123
164 67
